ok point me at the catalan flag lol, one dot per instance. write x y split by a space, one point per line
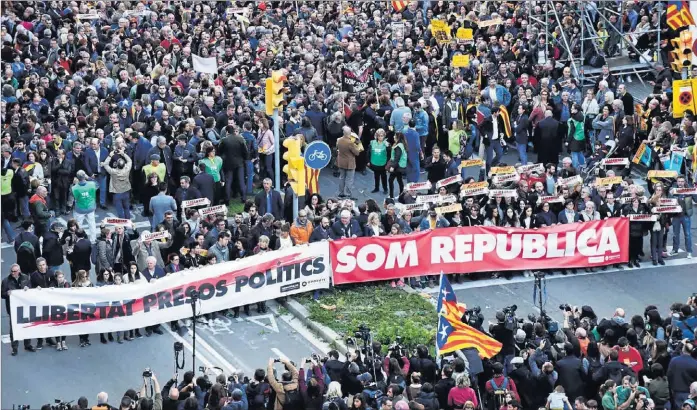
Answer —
454 335
678 14
503 112
399 5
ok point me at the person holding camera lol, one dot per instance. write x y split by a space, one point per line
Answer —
287 392
120 182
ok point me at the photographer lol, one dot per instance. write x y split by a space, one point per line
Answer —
147 402
258 391
288 386
312 387
333 366
503 332
350 385
424 364
237 399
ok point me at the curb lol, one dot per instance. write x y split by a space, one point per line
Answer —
300 312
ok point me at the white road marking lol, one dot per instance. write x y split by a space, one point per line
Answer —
6 339
303 331
279 353
273 326
220 360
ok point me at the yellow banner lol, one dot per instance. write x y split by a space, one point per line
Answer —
473 185
608 181
661 174
464 34
461 60
502 170
450 208
471 163
639 153
441 31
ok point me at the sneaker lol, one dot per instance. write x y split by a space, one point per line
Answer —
636 263
654 263
689 255
87 342
40 345
662 262
139 335
30 348
110 337
65 345
673 252
400 283
14 351
148 333
59 346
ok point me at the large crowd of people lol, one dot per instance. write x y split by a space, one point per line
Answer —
101 106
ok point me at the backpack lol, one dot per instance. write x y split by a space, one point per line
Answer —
258 396
499 392
397 379
293 400
27 246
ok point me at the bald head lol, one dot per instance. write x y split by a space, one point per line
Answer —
174 393
619 312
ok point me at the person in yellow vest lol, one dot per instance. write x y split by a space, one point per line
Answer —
155 166
8 204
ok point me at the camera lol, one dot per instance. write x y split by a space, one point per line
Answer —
363 333
565 306
277 360
147 372
178 346
60 405
308 360
510 322
396 349
473 317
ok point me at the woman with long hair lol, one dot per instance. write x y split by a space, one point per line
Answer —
214 168
267 148
608 392
658 227
82 280
398 162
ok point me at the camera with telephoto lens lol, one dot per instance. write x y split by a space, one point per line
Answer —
510 322
363 333
396 349
61 405
565 307
473 317
178 346
147 372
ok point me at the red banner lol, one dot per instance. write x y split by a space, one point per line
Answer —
480 249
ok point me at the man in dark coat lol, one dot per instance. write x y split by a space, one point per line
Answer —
185 192
205 184
269 201
571 373
42 278
52 251
346 227
233 151
548 142
16 280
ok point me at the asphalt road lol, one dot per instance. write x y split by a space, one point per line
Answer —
246 344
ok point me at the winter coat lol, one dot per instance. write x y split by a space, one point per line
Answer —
52 250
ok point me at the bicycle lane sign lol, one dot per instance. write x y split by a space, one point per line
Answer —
317 155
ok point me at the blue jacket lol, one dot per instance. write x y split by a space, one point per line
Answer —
440 223
140 153
317 120
397 118
159 204
92 160
421 119
562 219
159 273
413 157
503 96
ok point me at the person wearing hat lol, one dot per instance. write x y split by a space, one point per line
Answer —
155 166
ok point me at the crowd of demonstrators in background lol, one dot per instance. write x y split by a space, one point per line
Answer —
646 362
109 110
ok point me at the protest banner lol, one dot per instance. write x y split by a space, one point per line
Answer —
356 77
195 202
504 178
207 65
440 31
608 181
503 170
643 218
571 181
446 199
464 35
413 207
684 191
465 192
627 200
489 23
670 209
418 186
471 163
449 181
606 162
213 210
461 60
450 208
397 28
154 236
668 202
643 155
550 199
539 168
65 312
662 174
480 249
427 199
503 193
117 221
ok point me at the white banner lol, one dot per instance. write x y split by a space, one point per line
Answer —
205 65
64 312
195 202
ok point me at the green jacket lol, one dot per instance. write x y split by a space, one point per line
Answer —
39 210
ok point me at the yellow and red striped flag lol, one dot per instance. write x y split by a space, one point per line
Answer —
503 111
399 5
454 335
678 15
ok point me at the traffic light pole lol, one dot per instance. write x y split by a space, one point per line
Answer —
277 154
295 206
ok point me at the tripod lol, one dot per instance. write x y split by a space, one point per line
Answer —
194 299
540 287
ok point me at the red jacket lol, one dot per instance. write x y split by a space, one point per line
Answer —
630 356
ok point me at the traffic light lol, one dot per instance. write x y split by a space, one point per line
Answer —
275 91
295 169
682 51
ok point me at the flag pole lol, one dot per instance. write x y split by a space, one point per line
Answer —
440 287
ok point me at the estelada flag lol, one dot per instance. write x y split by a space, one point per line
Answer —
503 111
399 5
678 14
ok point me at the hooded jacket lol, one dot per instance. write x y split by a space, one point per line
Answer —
39 210
301 232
